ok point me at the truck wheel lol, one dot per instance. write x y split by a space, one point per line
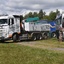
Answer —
34 37
40 38
15 37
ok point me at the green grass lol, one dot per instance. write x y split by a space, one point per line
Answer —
53 42
17 54
49 44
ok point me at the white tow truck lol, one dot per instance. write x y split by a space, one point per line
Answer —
11 27
60 22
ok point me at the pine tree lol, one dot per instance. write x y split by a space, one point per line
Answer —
40 14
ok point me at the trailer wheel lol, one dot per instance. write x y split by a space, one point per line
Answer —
45 36
15 37
39 36
53 35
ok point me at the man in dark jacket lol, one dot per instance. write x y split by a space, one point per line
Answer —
57 31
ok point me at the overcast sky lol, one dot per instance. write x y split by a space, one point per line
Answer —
24 6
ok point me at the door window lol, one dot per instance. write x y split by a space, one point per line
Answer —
11 21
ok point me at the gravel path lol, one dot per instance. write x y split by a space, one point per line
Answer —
32 44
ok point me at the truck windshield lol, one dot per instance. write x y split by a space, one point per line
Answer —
3 21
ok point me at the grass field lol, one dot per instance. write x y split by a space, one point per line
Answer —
53 42
50 44
11 53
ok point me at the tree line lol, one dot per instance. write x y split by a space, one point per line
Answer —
42 15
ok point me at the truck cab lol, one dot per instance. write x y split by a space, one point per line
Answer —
60 18
9 25
59 22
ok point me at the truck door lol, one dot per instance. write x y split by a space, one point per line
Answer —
17 24
11 26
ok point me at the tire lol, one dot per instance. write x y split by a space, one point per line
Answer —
34 38
53 35
45 36
15 37
40 37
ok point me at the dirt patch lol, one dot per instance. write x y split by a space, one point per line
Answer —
34 44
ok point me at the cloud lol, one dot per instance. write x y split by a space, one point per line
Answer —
22 6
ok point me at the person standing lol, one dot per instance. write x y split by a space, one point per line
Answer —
57 31
61 32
